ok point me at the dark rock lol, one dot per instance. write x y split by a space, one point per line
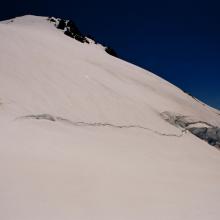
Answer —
218 134
111 51
61 25
208 132
211 135
80 38
73 28
86 41
199 132
68 33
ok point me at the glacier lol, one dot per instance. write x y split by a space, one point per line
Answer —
86 135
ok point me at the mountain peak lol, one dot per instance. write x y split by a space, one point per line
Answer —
68 27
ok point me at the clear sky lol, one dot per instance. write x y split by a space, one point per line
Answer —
177 40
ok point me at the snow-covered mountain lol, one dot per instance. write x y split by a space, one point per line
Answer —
85 135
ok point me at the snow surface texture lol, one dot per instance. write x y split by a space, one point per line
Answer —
84 135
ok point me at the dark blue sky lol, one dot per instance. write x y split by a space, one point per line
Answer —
177 40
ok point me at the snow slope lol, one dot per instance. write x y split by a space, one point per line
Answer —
82 135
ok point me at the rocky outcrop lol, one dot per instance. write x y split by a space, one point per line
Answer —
71 30
201 129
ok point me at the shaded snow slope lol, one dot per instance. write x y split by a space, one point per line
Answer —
82 136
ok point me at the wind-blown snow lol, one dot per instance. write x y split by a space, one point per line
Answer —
82 135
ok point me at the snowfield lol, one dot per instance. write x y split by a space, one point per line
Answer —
87 136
